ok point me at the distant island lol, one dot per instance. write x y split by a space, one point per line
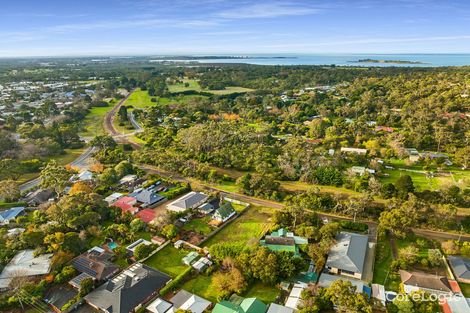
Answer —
387 61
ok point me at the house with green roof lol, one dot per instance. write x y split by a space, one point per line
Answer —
282 240
246 305
224 212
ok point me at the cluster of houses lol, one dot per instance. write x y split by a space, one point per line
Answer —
199 201
14 95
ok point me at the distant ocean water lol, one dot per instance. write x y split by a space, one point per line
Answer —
426 60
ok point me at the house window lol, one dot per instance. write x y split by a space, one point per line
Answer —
347 272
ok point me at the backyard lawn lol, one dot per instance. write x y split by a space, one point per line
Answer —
199 225
168 260
249 227
383 260
263 292
202 286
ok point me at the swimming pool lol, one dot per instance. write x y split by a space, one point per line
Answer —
112 245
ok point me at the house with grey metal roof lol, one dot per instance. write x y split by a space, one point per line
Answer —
277 308
126 292
146 197
461 268
25 264
348 255
189 201
187 301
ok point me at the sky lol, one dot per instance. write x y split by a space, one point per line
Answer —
184 27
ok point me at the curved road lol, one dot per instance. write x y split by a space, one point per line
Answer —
111 130
80 162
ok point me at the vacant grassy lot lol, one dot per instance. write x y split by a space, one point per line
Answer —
168 260
456 176
180 87
193 85
248 228
303 186
230 90
139 99
93 122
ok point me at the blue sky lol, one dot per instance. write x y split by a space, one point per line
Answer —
142 27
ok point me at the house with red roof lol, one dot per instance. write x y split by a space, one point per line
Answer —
146 215
127 204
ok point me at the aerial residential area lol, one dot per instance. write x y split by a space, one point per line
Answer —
285 156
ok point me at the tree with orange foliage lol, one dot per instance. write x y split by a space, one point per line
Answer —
81 186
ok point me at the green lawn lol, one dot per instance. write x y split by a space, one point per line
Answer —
202 286
180 87
383 260
460 177
199 225
140 99
263 292
168 260
230 90
238 207
193 85
93 122
229 186
248 228
302 186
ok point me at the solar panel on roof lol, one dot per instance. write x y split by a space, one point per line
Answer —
83 265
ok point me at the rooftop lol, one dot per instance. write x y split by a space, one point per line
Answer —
185 300
127 290
426 281
189 200
25 264
349 252
460 266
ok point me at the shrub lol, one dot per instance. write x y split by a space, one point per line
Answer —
357 226
175 283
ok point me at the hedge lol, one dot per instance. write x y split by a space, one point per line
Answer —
357 226
175 283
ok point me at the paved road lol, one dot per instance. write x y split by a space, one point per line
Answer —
134 123
80 162
436 235
111 130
